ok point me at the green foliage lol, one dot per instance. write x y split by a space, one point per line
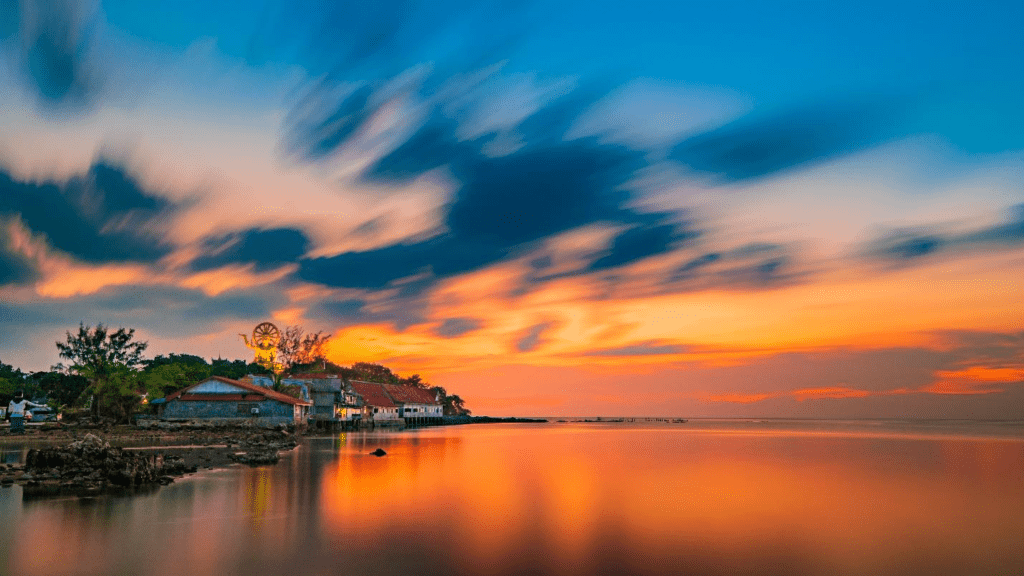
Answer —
109 360
236 369
176 359
10 380
167 378
7 389
9 372
117 395
13 379
166 374
61 389
100 351
369 372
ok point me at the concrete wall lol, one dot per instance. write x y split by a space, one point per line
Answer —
420 411
269 410
324 400
385 414
262 380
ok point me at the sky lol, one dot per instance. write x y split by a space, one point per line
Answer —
708 209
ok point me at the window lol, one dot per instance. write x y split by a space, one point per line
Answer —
246 408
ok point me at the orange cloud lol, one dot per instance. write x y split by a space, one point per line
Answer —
740 398
975 380
214 282
69 280
828 392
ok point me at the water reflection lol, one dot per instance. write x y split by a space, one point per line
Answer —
555 499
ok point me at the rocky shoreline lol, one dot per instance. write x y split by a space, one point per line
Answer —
492 420
128 459
91 459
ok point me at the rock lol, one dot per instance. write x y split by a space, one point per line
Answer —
379 452
257 458
90 457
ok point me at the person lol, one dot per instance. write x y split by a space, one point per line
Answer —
17 410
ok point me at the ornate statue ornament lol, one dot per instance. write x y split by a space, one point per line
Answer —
264 343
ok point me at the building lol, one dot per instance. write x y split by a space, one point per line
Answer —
415 405
324 391
225 399
378 407
352 409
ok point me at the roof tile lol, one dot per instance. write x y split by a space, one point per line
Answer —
372 393
261 390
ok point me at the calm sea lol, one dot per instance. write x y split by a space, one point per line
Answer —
703 497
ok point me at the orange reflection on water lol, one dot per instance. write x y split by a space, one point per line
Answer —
361 494
562 497
568 499
257 495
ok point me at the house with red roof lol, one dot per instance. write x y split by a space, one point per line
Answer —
378 407
222 398
415 405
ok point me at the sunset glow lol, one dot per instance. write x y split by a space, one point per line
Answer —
639 210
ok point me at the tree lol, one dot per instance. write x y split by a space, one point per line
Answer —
297 348
451 405
415 381
370 372
109 360
119 392
165 374
167 378
454 405
11 380
236 369
61 389
172 358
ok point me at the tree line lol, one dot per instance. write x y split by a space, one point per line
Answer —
107 373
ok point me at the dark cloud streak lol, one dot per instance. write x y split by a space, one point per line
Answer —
641 242
263 248
909 246
531 338
749 267
101 216
55 39
644 349
763 145
14 268
455 327
168 311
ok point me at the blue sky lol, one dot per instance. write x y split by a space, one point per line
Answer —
963 62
